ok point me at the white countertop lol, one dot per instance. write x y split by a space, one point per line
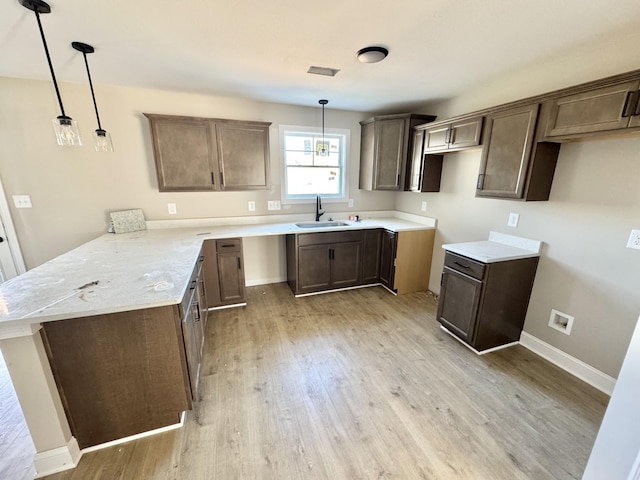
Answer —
498 248
144 269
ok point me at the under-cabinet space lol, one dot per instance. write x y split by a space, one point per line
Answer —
425 169
209 154
224 272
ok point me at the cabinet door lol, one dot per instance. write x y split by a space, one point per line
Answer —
458 303
345 264
389 153
437 138
184 153
465 133
193 346
372 241
506 152
231 276
243 155
387 258
314 268
598 110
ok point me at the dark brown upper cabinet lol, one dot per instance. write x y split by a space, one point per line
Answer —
605 109
209 154
453 135
385 148
513 165
425 169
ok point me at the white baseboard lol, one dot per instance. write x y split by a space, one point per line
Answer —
575 367
57 459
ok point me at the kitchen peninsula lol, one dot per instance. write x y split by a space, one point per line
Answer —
137 282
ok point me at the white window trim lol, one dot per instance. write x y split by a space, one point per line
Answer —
345 174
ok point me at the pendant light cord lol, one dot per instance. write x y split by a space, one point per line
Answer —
46 51
93 95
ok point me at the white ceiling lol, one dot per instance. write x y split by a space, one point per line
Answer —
262 49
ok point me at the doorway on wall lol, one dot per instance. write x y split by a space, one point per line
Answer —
11 261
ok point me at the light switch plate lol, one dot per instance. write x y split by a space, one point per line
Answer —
351 203
252 206
22 201
634 239
172 209
514 218
273 205
423 207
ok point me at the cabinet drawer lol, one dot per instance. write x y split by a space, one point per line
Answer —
464 265
329 237
228 245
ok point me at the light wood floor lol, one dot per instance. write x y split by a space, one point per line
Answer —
361 385
16 447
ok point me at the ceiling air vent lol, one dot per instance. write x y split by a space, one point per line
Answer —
326 71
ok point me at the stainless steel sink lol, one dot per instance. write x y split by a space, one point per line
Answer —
321 224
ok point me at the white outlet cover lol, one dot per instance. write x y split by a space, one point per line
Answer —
351 203
172 209
22 201
634 239
514 218
252 206
423 207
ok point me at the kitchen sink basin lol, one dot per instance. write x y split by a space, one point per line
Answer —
321 224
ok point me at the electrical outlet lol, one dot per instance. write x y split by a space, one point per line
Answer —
172 209
513 219
351 203
423 207
634 239
273 205
22 201
252 206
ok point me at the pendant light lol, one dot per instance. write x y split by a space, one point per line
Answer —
324 151
101 136
65 127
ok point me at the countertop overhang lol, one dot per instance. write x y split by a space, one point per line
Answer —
131 271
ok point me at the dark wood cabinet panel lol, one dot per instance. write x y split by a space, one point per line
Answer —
314 268
243 155
513 164
596 110
385 147
425 170
453 135
223 272
485 304
387 259
346 264
184 153
208 154
371 243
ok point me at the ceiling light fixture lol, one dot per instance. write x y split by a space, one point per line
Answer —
372 54
66 128
102 137
324 151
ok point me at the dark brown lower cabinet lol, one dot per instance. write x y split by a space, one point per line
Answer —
485 304
388 258
224 272
371 243
324 261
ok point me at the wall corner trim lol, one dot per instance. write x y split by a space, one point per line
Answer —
575 367
57 459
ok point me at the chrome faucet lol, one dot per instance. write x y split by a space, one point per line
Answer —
318 207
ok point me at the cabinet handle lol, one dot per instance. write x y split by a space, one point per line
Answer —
197 305
193 285
201 259
461 265
447 137
213 179
228 245
480 184
637 110
221 179
239 266
630 104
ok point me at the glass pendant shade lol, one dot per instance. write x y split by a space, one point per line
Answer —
102 141
67 132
